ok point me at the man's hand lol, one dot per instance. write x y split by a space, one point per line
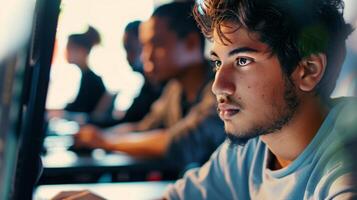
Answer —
90 136
77 195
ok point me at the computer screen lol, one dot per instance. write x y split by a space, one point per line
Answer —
26 38
14 38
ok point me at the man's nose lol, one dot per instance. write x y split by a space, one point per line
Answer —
224 82
146 57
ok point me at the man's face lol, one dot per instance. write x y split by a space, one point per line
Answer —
163 52
76 54
254 96
132 48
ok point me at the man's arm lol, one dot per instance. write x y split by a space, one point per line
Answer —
144 144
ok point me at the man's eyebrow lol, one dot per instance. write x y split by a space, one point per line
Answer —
236 51
241 50
212 53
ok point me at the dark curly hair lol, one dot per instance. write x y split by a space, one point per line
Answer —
293 29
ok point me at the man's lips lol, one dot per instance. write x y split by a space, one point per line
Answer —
227 111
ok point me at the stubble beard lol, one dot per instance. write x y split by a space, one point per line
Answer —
281 119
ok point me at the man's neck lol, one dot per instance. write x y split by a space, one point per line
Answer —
288 143
83 65
192 80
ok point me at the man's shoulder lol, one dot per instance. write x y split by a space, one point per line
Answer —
337 165
344 104
346 119
170 93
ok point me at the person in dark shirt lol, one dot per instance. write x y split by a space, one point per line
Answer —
91 86
150 90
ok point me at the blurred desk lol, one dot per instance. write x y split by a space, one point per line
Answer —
132 190
62 166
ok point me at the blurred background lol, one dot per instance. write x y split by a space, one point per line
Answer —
108 59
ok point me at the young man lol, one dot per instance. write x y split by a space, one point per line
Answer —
276 64
150 91
182 124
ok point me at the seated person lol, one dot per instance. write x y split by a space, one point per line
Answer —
182 125
150 90
276 65
91 102
91 86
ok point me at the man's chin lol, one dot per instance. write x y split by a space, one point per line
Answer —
235 140
241 137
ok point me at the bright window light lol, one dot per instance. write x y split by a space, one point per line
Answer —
108 59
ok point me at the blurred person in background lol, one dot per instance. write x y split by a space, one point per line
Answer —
182 126
150 90
93 103
91 88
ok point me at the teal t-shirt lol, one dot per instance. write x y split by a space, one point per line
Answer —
322 171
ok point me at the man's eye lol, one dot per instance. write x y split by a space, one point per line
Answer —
243 61
216 65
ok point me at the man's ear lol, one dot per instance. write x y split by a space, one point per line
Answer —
310 71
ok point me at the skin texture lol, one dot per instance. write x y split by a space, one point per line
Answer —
252 86
255 98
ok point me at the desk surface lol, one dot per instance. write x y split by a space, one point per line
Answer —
60 164
59 159
129 190
64 161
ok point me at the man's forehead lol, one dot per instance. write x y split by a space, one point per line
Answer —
227 33
154 27
232 35
237 40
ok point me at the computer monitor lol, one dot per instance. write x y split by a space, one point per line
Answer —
13 54
26 38
9 107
